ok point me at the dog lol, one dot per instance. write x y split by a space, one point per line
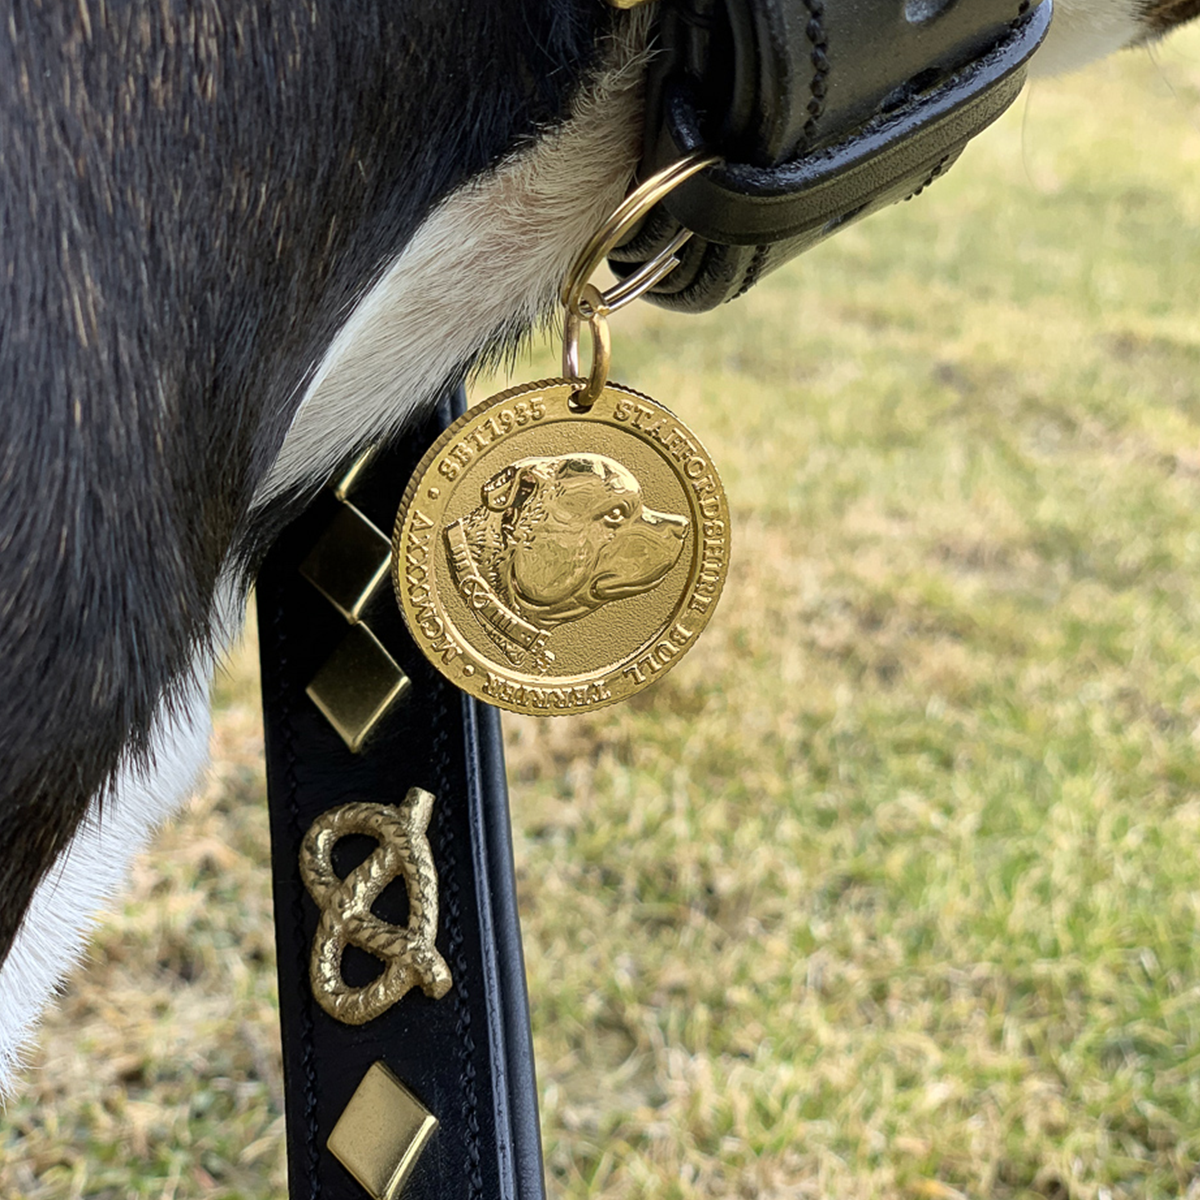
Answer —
242 242
556 538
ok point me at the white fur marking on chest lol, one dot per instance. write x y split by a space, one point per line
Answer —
67 902
488 260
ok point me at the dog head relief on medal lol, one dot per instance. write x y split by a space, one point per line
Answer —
564 542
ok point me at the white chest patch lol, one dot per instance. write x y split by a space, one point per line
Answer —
69 900
488 260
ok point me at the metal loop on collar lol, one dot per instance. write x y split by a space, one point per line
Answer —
631 210
597 322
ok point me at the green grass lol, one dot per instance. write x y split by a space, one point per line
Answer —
891 889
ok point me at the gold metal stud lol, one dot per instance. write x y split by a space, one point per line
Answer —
343 487
349 562
358 684
408 952
381 1133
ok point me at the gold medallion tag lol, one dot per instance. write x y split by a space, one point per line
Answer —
562 544
549 560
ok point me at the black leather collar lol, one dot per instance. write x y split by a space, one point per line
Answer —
823 110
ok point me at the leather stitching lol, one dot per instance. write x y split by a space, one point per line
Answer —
937 170
308 1059
754 270
452 908
819 57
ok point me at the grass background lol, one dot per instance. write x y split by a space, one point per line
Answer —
891 888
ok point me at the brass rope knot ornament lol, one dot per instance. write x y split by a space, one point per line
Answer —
407 952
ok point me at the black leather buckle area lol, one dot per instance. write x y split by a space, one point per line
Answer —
893 92
362 1099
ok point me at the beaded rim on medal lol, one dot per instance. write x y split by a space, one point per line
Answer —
586 304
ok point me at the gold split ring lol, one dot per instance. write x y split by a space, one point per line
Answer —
628 213
584 302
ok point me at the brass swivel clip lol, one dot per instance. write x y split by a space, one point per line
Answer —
587 304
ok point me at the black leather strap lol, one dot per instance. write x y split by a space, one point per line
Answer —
824 111
467 1057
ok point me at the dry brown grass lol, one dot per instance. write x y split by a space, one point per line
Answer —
891 889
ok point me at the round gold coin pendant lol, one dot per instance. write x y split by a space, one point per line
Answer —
550 561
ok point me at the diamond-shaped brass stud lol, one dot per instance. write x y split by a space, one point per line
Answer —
381 1133
349 562
343 487
358 684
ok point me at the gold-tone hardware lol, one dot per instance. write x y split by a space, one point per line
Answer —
627 3
381 1133
597 375
631 210
349 561
408 953
358 684
551 576
343 487
648 274
564 542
